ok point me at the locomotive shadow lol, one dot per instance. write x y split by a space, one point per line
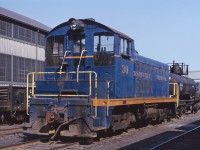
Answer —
153 141
26 138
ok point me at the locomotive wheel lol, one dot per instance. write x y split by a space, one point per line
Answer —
180 112
86 141
2 119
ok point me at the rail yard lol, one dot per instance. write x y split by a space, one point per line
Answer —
146 137
92 90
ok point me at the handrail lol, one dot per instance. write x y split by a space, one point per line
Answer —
77 70
33 86
108 97
175 92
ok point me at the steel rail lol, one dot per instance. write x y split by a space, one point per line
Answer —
175 138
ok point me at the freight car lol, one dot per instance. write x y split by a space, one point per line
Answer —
95 81
12 104
188 99
197 95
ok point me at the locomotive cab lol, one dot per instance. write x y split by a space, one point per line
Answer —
81 56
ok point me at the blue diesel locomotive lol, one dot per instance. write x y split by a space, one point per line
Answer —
95 80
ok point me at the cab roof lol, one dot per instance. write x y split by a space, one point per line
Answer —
89 21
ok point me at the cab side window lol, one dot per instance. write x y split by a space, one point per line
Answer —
125 48
103 49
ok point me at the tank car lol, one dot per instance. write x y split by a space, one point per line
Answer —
13 104
188 100
94 81
197 96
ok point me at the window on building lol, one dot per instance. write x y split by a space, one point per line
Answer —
28 35
41 39
5 28
21 70
22 33
5 67
21 66
25 34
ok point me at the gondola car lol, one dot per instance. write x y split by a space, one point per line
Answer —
12 104
94 80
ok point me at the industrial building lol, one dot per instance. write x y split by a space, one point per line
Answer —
21 47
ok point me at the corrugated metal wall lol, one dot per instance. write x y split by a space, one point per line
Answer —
16 48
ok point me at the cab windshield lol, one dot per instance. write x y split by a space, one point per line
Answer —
54 51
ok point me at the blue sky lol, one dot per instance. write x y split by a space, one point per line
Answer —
164 30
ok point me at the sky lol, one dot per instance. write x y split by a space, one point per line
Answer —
164 30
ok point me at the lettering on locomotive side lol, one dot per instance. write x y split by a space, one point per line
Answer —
162 78
124 69
141 74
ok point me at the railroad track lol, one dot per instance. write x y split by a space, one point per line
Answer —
149 137
129 140
8 127
20 145
4 131
40 144
186 141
